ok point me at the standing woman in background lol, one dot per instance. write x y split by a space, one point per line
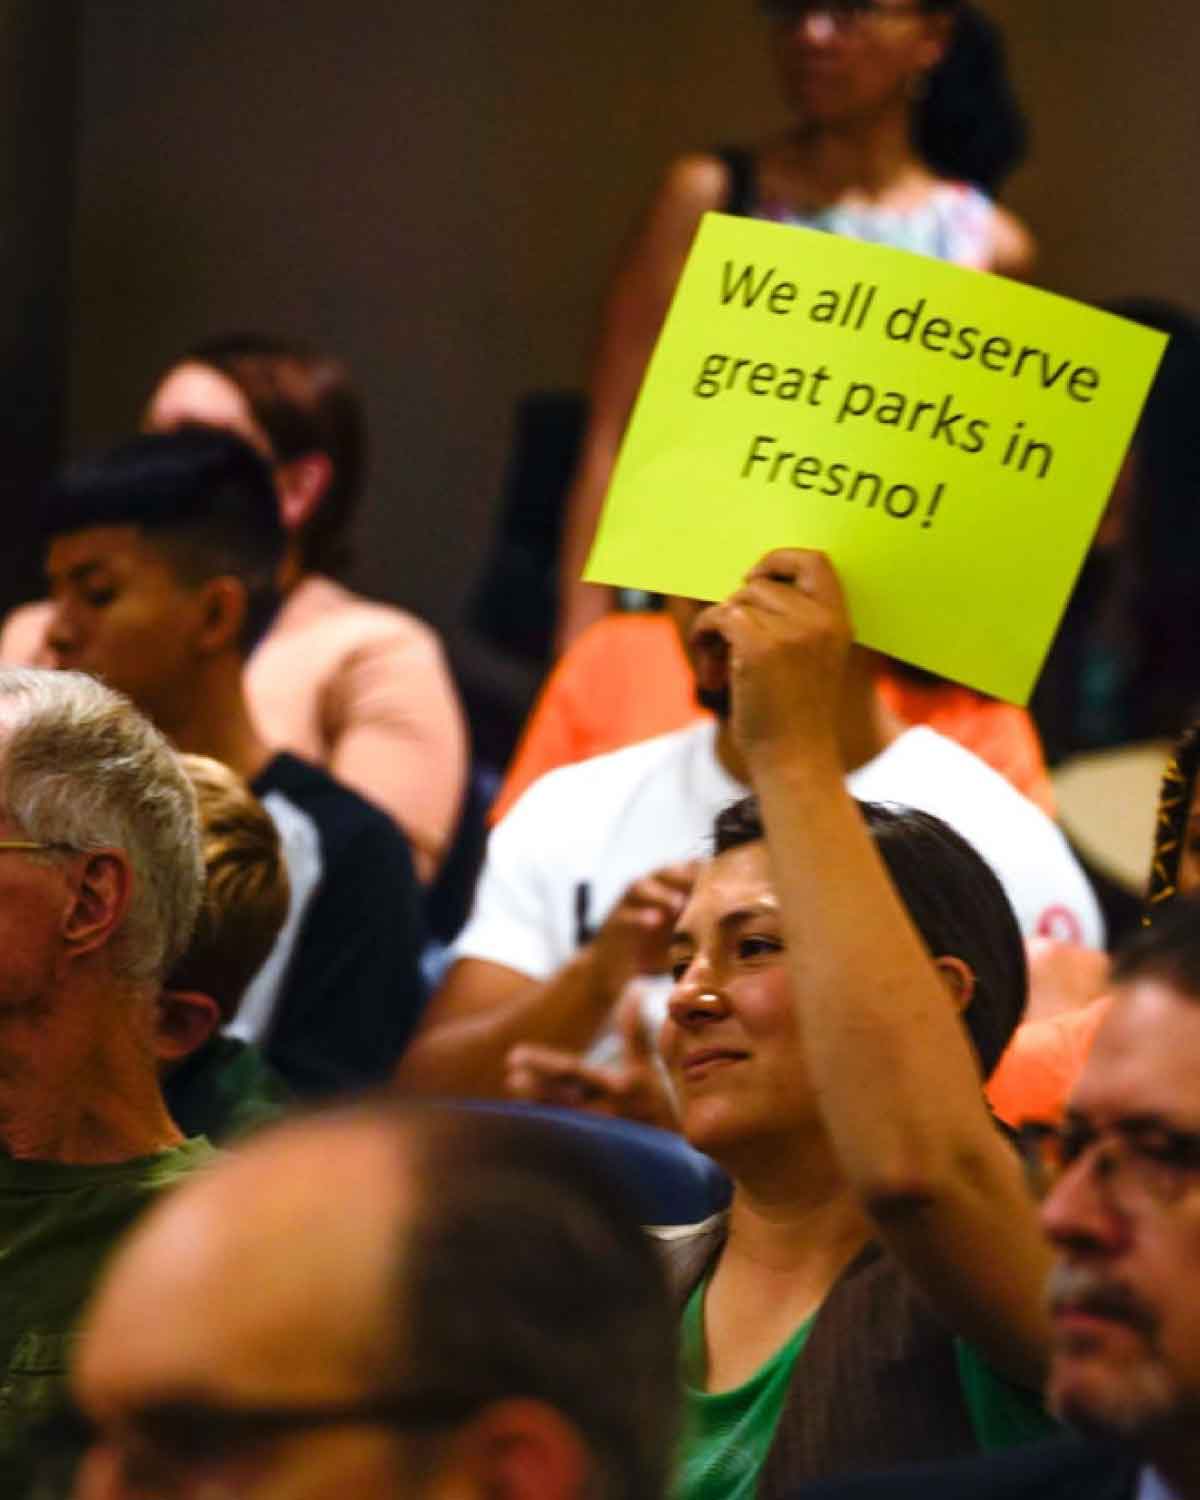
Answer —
904 121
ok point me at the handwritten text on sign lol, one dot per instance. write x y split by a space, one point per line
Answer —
809 391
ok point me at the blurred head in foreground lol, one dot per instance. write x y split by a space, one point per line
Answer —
390 1303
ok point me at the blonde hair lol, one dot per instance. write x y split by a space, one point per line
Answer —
245 892
81 768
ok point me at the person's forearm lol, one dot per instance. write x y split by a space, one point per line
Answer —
463 1051
892 1066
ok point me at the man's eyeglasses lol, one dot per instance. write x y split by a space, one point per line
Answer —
844 15
1140 1162
171 1440
29 846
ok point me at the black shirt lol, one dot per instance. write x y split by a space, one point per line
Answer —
351 990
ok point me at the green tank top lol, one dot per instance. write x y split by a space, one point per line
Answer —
725 1437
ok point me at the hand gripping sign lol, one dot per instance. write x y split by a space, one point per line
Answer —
950 438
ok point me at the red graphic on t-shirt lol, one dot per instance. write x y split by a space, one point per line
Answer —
1061 924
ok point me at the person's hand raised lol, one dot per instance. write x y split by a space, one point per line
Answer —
633 1088
637 932
789 637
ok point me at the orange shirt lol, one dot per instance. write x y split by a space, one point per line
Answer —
1043 1060
626 679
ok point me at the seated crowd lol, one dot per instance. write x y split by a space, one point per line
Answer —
768 925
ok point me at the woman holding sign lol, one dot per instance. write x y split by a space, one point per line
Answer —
904 121
843 976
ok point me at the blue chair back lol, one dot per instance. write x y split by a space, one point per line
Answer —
669 1181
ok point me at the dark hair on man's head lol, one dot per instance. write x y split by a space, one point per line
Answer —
1169 950
956 903
526 1273
202 495
305 402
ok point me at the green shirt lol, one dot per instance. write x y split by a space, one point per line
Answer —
225 1090
58 1225
726 1437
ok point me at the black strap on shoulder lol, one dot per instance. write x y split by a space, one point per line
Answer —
739 163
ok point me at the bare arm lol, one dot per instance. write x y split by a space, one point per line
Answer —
399 738
485 1009
1014 249
637 303
898 1083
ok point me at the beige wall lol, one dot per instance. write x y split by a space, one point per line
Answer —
1111 188
438 191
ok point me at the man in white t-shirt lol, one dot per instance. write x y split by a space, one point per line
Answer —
587 873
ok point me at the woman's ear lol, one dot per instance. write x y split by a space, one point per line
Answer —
958 977
302 484
183 1021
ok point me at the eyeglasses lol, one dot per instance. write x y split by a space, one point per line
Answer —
845 15
27 846
1140 1162
170 1441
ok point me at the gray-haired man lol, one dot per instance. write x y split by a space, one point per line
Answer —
100 880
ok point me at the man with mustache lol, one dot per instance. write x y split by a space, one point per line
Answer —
587 874
1123 1214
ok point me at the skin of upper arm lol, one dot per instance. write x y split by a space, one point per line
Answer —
973 1246
899 1084
637 302
645 281
1014 249
398 738
462 1018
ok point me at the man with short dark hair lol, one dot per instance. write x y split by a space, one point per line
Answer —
1123 1215
162 558
401 1305
100 880
354 685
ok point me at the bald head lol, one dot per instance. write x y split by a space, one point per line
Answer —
454 1291
269 1273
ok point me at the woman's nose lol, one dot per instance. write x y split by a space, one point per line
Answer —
697 997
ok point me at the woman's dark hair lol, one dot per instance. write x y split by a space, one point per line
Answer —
955 901
1171 821
969 124
305 402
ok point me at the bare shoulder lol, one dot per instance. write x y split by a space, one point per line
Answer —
1014 249
23 635
699 181
690 187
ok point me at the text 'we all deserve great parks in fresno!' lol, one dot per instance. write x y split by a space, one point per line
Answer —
940 418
